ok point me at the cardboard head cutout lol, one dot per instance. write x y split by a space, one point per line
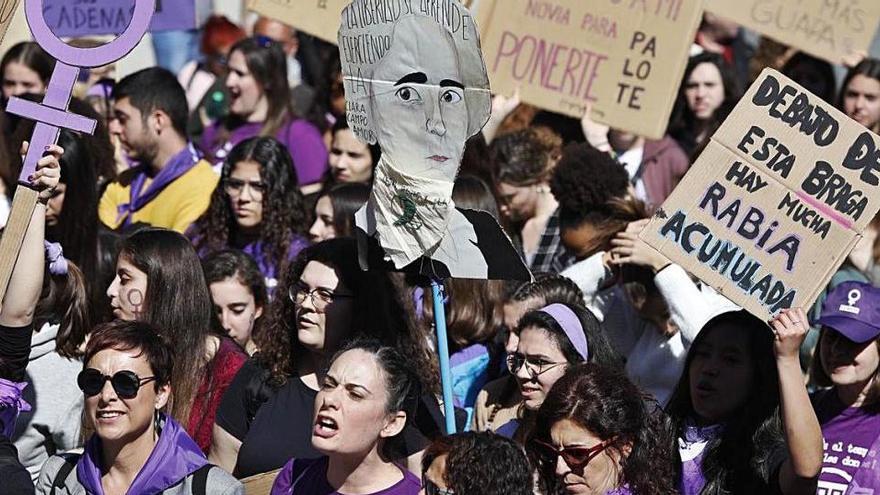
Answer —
416 85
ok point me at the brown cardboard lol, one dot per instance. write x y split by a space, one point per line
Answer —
7 10
260 484
317 17
627 57
796 256
828 29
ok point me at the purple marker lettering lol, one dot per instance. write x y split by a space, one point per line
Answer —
52 115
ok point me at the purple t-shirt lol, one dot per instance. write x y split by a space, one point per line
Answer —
309 477
850 435
303 140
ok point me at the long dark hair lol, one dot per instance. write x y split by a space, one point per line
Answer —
599 348
32 56
232 263
605 402
284 215
379 312
736 461
869 67
177 303
346 199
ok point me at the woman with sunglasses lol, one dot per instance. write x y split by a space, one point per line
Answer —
136 447
265 418
598 434
473 462
257 208
159 280
551 340
367 396
260 105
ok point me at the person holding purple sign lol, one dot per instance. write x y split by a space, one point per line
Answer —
260 105
848 361
171 185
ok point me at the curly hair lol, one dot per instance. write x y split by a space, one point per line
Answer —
482 463
736 461
606 403
526 157
584 181
284 213
379 312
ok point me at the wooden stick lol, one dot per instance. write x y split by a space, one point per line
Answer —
23 205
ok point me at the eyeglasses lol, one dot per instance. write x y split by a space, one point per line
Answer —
126 383
234 187
433 489
576 458
321 297
515 361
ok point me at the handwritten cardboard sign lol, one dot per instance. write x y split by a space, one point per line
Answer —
317 17
7 10
626 57
100 17
776 201
826 29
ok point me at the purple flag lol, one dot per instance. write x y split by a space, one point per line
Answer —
100 17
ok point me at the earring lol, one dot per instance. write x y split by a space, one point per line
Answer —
157 419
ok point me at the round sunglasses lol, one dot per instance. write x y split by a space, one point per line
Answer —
125 383
576 458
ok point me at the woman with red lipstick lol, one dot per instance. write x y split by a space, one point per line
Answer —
599 434
256 208
848 361
860 97
260 105
366 399
741 412
326 300
551 340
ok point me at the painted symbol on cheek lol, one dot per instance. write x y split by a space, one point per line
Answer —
136 302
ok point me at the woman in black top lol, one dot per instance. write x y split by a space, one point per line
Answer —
265 417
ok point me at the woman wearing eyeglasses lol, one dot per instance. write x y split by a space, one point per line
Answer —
265 418
136 447
260 105
551 340
598 434
256 208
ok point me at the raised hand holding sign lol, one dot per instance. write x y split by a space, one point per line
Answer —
52 115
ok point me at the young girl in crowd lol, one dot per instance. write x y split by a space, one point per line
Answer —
239 295
327 300
707 94
335 209
847 361
159 280
136 447
498 402
350 159
860 96
366 399
25 68
256 208
476 463
551 340
260 105
598 434
741 412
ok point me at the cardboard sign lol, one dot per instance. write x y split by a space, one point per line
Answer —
7 10
416 85
776 201
75 18
626 57
317 17
827 29
260 484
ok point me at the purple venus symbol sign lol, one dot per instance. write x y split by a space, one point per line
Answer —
51 115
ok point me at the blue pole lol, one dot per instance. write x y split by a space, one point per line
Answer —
443 352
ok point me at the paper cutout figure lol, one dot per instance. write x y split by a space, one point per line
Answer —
416 84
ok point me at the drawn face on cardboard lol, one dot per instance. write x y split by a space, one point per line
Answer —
418 107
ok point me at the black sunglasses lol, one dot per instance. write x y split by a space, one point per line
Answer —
125 383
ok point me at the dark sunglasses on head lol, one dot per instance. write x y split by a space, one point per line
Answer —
433 489
576 458
125 383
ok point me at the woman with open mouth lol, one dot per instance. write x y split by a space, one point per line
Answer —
366 398
136 447
551 340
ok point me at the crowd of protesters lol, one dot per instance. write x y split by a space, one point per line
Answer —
188 312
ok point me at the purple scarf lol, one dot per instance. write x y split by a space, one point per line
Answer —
179 164
175 457
11 403
692 478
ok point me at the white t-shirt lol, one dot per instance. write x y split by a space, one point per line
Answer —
632 160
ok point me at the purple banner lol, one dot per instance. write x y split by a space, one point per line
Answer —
73 18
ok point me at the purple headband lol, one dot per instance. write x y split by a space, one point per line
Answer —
571 325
